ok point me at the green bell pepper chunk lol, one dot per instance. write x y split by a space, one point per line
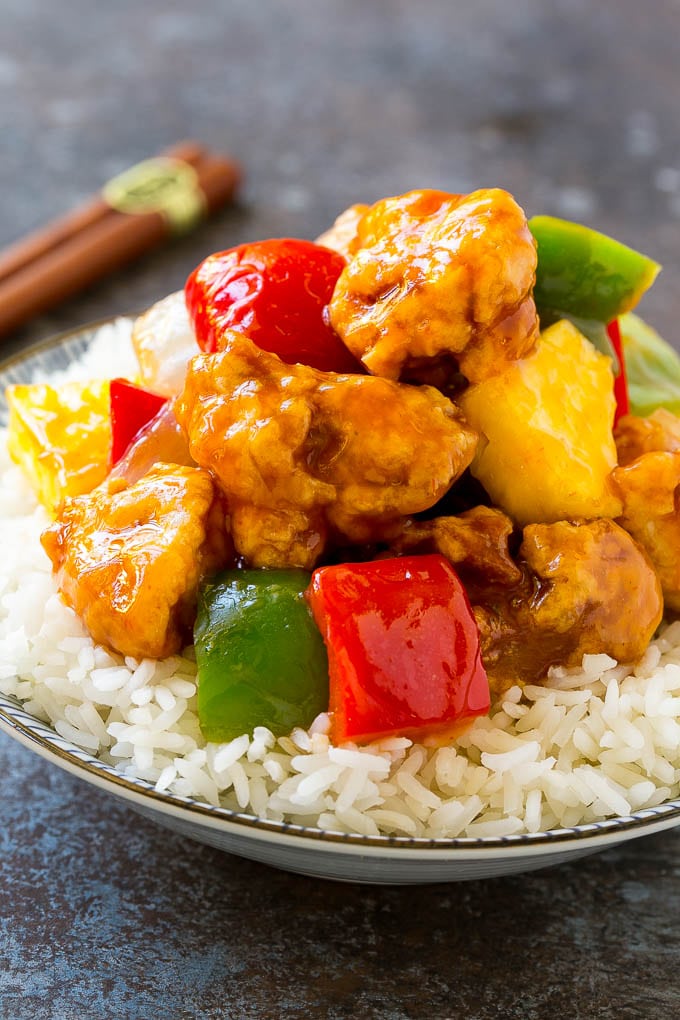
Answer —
586 276
261 659
652 368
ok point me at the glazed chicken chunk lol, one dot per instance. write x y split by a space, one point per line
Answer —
658 432
648 482
129 558
305 456
650 491
476 543
439 278
586 588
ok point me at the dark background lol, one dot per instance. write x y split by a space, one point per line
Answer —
572 106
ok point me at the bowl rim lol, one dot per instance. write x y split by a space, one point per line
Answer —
40 737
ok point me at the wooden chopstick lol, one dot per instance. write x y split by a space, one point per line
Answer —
38 243
71 253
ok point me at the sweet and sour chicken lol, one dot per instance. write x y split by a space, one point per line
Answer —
648 482
439 278
305 456
129 557
436 300
585 588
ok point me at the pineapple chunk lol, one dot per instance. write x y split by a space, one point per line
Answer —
61 438
547 449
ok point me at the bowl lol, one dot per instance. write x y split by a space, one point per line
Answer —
311 851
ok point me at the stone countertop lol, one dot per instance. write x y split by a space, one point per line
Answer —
103 914
571 106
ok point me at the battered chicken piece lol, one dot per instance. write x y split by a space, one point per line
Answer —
586 588
439 278
660 431
304 456
649 487
475 542
129 558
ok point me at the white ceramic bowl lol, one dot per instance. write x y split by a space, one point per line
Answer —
353 858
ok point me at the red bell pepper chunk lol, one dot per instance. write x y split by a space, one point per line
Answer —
131 409
620 380
403 648
276 292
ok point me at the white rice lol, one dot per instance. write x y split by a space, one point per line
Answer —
594 742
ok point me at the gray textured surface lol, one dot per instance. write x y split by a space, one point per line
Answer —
573 107
105 915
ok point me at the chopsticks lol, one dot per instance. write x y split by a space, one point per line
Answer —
133 214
